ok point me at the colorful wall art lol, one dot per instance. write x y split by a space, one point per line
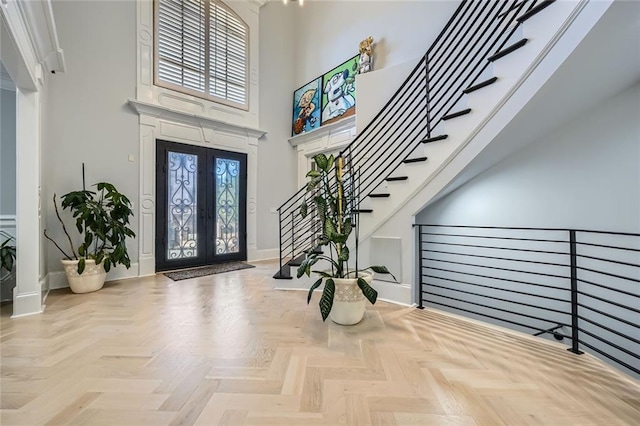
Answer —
339 91
306 107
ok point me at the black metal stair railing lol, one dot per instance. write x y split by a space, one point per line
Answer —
579 285
454 62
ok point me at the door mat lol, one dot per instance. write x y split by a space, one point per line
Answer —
207 270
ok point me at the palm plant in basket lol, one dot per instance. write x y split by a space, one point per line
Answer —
332 199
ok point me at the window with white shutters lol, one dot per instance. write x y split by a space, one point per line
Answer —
202 50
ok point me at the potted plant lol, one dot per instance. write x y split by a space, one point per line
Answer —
344 288
7 252
7 260
102 219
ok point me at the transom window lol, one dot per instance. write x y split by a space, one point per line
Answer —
202 50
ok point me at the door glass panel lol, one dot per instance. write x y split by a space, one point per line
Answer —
227 205
183 206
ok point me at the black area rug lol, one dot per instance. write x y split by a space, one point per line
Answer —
207 270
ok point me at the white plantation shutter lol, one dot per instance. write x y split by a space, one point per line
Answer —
227 54
202 49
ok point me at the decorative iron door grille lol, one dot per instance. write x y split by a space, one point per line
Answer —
200 206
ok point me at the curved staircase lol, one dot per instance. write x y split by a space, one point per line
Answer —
490 58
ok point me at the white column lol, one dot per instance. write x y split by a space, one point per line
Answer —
26 295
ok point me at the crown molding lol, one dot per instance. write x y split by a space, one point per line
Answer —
41 26
159 111
259 3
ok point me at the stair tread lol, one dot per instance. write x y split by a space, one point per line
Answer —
363 210
379 195
284 273
457 114
396 178
534 10
435 138
280 276
515 46
414 160
480 85
297 261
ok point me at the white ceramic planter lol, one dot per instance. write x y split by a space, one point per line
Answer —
92 278
348 301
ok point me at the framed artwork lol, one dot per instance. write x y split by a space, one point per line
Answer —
306 107
339 91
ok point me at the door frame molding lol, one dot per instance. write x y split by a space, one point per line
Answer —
190 130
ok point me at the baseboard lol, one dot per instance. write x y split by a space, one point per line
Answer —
146 266
8 223
122 273
399 294
44 289
58 279
266 254
294 283
406 305
26 304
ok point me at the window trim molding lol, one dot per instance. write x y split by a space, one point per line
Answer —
194 93
196 120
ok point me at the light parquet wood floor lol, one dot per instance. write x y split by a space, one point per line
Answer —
228 349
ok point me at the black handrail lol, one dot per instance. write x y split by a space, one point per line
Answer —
601 318
455 60
372 180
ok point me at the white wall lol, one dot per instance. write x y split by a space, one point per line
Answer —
276 157
7 152
583 175
329 32
87 117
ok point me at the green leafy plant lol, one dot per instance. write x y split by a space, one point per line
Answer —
7 252
333 198
102 219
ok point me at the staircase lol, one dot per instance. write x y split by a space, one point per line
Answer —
443 115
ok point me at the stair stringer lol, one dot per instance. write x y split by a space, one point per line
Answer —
471 134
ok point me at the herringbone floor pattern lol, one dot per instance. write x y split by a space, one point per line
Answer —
227 349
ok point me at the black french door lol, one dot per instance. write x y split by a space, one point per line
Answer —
201 206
